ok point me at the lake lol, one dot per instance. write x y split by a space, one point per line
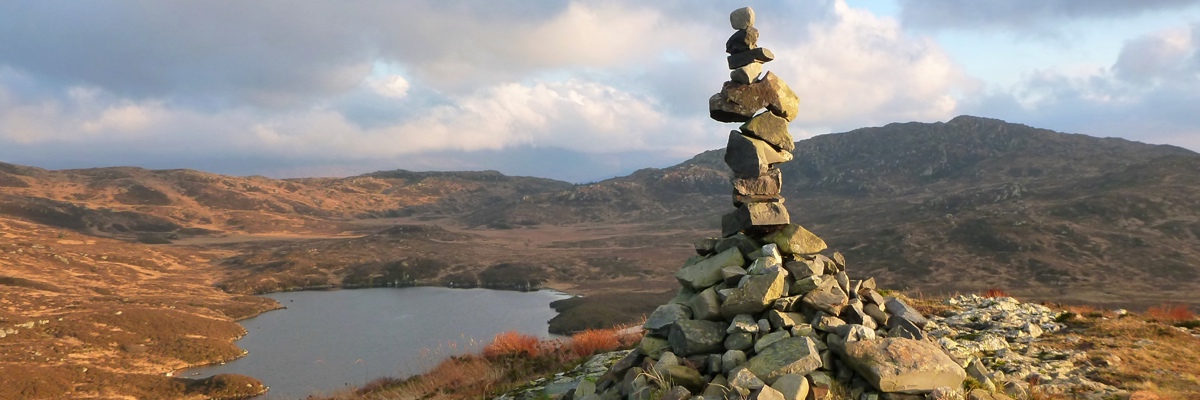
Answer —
330 340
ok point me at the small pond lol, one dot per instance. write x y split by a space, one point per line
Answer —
326 341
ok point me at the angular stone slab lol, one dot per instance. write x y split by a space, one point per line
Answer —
741 242
753 56
659 322
752 215
742 18
784 320
686 377
742 41
653 346
756 296
740 199
783 101
746 74
767 184
792 386
794 239
697 337
828 298
898 308
706 273
705 305
796 355
750 157
772 129
901 365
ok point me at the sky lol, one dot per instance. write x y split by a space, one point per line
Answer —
572 90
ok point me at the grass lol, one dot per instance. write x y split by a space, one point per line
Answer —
1171 313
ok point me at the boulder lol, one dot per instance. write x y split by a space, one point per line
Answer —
685 376
742 18
697 337
903 328
653 346
898 308
794 239
743 243
732 275
786 304
876 314
767 184
767 393
706 246
742 323
705 305
739 341
796 355
792 386
769 339
903 365
825 322
738 102
659 322
732 359
783 101
828 298
755 55
756 296
772 129
706 273
750 157
743 380
754 215
784 320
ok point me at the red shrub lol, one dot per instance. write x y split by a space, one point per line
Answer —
995 292
512 342
593 341
1170 312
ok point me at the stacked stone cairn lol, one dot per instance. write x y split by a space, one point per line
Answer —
762 313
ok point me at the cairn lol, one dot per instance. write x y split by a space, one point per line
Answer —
761 312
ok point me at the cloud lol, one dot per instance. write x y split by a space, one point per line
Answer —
1148 94
1023 14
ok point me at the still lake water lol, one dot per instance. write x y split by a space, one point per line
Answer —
329 340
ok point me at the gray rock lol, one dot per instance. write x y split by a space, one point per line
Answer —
705 305
876 314
653 346
676 393
854 332
739 102
585 388
668 359
843 281
628 384
764 326
767 184
739 341
828 298
683 296
783 101
742 323
750 157
825 322
756 55
770 128
784 320
769 339
820 383
742 18
686 377
898 308
705 247
805 285
696 337
718 388
743 378
787 356
732 359
767 393
742 40
742 242
756 296
714 364
870 296
708 272
792 386
802 330
747 73
1016 389
854 313
731 275
659 322
786 304
903 365
981 394
977 371
794 239
903 328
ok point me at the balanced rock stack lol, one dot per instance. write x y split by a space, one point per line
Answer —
761 312
763 139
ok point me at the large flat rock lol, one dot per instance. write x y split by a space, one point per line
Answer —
701 275
900 365
796 355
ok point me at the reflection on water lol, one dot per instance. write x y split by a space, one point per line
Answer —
329 340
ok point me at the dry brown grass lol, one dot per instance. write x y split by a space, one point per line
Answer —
996 292
513 343
1171 313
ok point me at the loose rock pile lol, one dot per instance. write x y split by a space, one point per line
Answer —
761 312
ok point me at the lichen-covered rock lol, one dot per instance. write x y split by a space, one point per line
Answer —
828 298
770 128
794 239
685 376
750 157
797 355
697 337
659 322
759 292
903 365
706 273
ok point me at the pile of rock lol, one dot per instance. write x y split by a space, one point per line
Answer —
761 312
